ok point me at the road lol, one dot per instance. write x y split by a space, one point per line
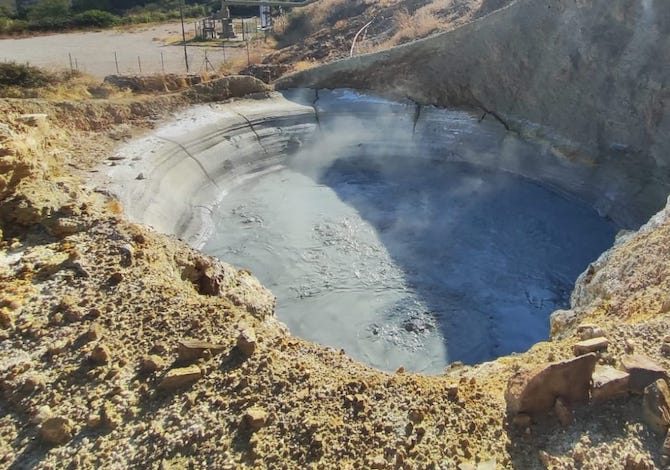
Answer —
93 52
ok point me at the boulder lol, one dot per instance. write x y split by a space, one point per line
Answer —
589 331
643 371
56 430
609 383
656 406
180 377
590 345
537 390
192 350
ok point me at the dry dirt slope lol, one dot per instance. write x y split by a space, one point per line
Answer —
324 31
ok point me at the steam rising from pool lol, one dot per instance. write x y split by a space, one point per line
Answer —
401 260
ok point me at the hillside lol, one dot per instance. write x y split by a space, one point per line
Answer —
324 31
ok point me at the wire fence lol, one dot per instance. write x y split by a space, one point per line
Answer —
124 56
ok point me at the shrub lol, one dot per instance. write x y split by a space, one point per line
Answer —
24 76
95 18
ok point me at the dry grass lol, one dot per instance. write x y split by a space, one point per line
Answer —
410 27
304 65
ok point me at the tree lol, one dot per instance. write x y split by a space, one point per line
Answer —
49 13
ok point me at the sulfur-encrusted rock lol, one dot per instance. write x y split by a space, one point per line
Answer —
246 341
537 390
192 350
56 430
590 345
588 331
180 377
656 406
609 383
643 371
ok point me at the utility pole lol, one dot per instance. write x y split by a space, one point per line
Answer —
183 32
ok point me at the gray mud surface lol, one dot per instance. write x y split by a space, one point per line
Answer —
408 261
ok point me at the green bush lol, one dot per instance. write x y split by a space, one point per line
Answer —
24 76
12 26
49 14
95 18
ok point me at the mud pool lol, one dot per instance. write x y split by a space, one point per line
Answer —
409 262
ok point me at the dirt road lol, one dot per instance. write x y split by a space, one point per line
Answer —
93 52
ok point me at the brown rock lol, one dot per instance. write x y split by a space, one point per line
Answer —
637 462
93 333
151 363
609 383
254 418
180 377
590 345
563 412
100 355
656 406
246 341
192 350
537 390
56 430
643 371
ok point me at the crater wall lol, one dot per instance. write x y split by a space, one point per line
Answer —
589 77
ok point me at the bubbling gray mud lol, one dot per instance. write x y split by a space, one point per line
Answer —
416 263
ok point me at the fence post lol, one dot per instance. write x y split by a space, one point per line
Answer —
162 63
116 61
69 54
139 63
248 55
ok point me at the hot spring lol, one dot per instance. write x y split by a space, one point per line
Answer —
404 235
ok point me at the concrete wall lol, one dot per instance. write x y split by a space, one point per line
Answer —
588 76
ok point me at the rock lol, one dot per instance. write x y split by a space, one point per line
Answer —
93 333
42 414
109 417
254 418
115 279
180 377
246 341
561 320
629 346
590 345
638 462
100 355
643 371
665 346
192 350
151 363
33 119
656 406
563 412
56 430
140 176
537 390
609 383
588 331
377 462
